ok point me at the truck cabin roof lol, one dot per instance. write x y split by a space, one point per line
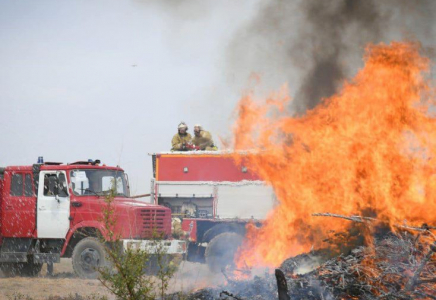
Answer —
49 166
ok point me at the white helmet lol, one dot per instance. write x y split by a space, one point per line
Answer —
182 125
199 126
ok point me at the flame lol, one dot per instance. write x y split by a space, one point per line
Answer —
368 150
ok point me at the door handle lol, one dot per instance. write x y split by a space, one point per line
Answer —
76 204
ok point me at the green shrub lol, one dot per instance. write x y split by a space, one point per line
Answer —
126 276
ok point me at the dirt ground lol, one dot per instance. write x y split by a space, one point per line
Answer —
190 276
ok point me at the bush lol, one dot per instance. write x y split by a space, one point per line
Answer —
126 276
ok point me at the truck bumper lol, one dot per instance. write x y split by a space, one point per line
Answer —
152 246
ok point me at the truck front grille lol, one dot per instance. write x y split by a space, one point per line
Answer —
156 223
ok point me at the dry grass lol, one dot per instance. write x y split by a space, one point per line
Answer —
66 286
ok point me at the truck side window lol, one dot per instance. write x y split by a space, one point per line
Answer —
28 190
17 185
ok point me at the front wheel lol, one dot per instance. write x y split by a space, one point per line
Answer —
88 256
221 250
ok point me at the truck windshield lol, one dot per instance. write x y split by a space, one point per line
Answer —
98 182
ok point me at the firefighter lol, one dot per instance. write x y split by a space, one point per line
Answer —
182 139
203 139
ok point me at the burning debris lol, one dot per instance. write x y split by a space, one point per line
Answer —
396 266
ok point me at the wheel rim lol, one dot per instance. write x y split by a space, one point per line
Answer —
90 260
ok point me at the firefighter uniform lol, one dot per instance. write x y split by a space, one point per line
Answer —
204 141
179 140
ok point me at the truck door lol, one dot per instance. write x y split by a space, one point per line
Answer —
53 208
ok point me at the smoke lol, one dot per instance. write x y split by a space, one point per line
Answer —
333 27
314 45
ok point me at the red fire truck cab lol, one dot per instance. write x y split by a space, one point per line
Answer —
54 210
213 197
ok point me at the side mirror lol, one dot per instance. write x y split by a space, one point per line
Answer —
56 187
53 185
64 189
126 177
61 185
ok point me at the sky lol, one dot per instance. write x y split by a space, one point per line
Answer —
112 79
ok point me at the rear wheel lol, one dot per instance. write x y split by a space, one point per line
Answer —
221 250
88 256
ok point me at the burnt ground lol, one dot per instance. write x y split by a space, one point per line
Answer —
190 276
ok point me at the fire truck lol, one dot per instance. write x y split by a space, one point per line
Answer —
213 197
54 210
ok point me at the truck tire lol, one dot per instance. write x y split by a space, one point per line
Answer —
221 228
221 250
25 269
88 256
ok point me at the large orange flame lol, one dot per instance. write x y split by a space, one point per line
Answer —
371 147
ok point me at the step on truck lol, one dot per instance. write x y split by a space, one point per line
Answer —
211 199
54 210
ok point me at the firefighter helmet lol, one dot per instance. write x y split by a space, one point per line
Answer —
182 125
198 126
